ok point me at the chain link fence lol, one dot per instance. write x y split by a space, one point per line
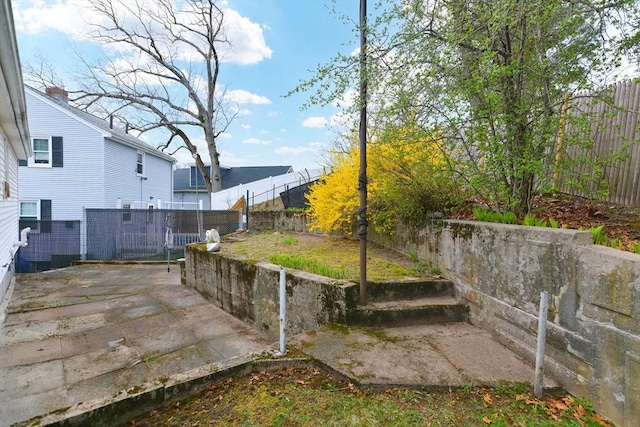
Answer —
52 244
121 234
118 234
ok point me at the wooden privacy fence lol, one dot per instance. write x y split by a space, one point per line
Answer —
612 163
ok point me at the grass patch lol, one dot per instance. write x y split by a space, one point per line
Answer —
290 240
299 397
314 254
295 262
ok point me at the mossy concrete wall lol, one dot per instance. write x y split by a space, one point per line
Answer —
593 337
278 220
250 291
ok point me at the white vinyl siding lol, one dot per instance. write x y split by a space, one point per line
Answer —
94 171
80 182
123 181
9 232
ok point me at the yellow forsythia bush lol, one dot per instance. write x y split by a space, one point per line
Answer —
334 199
409 177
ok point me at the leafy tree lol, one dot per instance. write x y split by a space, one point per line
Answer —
491 78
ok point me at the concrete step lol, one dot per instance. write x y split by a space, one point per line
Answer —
409 289
416 311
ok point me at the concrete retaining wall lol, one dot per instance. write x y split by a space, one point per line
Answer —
278 220
593 340
250 291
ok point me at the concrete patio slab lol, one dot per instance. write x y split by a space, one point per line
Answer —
85 339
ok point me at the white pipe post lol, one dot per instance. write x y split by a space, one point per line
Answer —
283 309
542 336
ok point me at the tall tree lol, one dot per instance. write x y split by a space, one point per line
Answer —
162 73
491 78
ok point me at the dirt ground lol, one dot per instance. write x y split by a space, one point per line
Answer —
620 222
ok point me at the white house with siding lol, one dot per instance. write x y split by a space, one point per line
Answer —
80 161
14 144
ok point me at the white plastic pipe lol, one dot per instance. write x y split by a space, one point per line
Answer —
283 308
23 238
542 336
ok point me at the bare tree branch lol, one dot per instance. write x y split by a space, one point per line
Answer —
162 69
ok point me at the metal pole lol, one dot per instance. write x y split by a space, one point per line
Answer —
362 178
542 335
247 209
168 261
283 308
168 242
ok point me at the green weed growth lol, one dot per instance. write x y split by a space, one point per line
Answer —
310 266
494 216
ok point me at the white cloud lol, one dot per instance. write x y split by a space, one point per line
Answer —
229 159
245 126
273 114
264 132
247 44
225 135
183 156
242 97
315 122
314 147
256 141
344 120
36 17
246 38
238 111
348 99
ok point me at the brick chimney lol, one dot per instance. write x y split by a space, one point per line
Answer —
58 93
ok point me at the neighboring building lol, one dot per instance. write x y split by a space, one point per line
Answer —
188 187
80 161
14 143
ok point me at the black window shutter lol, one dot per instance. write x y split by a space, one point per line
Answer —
22 163
56 152
45 216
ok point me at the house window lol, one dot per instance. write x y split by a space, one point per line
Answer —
47 152
29 215
41 152
29 210
195 177
140 164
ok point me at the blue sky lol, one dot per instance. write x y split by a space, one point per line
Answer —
283 40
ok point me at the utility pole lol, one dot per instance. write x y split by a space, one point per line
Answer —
362 178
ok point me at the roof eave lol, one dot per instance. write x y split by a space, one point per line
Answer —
141 146
13 119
